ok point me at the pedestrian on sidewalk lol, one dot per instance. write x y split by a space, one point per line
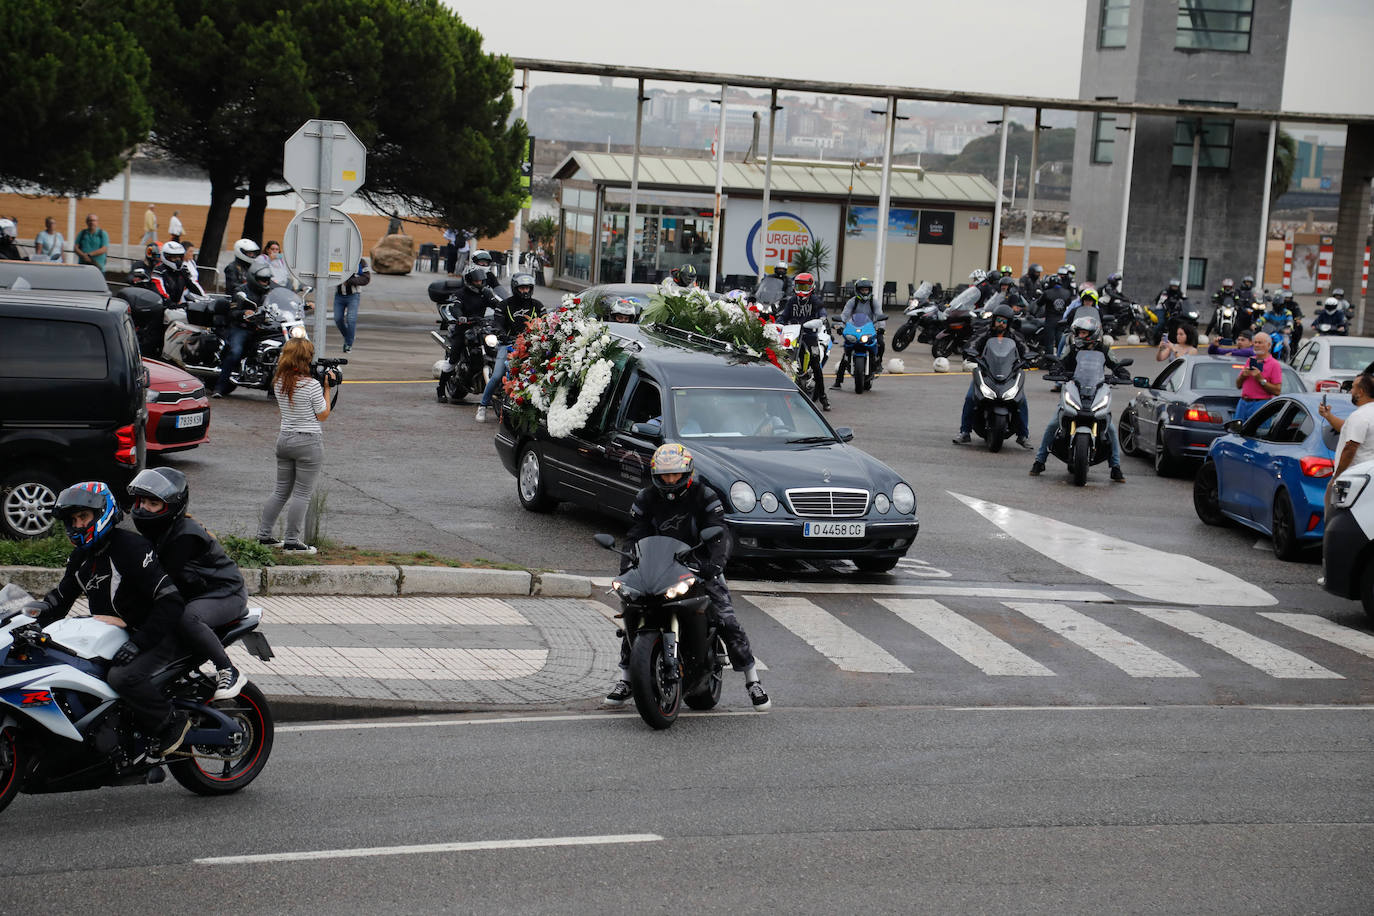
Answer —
346 299
174 228
149 224
92 243
450 251
304 404
47 245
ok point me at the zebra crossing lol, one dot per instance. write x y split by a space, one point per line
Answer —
1180 641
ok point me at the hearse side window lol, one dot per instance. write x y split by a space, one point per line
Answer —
645 404
45 348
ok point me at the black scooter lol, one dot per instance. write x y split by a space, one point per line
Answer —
998 378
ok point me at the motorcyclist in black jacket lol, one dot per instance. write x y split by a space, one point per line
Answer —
471 303
510 317
125 585
171 279
681 504
246 252
1030 283
1054 298
801 306
208 580
1169 303
1002 325
242 308
1085 334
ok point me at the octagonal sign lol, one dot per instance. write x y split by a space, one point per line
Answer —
347 162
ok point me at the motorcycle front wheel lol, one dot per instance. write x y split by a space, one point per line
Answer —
208 770
996 435
860 373
657 698
902 339
1079 459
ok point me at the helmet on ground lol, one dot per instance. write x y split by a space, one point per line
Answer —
483 257
1003 313
670 459
941 364
623 310
978 275
780 269
475 277
246 250
1087 331
173 254
1088 296
1331 304
95 497
167 485
1035 270
523 285
259 277
863 289
685 275
1247 282
8 229
804 285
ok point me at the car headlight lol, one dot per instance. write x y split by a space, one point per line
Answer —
1347 489
904 499
769 502
150 396
881 503
490 340
742 496
680 589
1071 397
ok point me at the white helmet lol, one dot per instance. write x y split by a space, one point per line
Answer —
941 364
173 254
246 250
1331 304
623 310
978 275
8 229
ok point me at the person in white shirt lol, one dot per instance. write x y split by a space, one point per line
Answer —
1356 444
174 228
47 245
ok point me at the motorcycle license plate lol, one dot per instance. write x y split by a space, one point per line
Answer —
188 420
833 529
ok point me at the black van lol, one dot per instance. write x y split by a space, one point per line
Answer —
72 406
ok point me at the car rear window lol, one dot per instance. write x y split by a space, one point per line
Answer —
1217 375
1350 358
48 348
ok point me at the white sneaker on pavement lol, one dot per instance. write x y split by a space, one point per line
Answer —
481 414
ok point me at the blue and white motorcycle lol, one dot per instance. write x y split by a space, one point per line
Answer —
63 729
861 349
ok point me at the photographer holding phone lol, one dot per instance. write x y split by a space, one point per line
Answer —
1260 380
1356 442
304 403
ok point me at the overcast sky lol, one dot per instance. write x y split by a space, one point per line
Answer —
914 43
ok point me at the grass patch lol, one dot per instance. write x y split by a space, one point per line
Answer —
247 551
51 551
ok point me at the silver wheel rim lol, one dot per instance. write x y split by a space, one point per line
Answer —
28 509
529 477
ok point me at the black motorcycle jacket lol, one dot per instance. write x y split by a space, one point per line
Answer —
1070 360
193 558
684 518
1053 300
975 346
1172 301
172 283
474 303
512 314
250 300
9 250
121 578
799 310
1030 288
235 277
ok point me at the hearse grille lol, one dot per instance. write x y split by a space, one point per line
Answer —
828 503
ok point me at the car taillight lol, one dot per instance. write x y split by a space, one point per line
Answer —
1313 466
1328 384
1198 413
126 450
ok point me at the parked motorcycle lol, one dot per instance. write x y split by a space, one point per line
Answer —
861 349
812 349
676 655
471 360
1085 413
998 376
63 729
197 343
923 317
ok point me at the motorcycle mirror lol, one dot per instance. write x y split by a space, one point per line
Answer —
845 433
605 540
1141 381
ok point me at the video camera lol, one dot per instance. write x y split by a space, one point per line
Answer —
326 369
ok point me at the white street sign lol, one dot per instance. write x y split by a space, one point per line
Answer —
343 245
346 162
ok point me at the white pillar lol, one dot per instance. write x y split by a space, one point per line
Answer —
767 182
71 223
879 260
1126 196
128 188
634 188
1001 176
1264 206
1030 193
720 183
519 214
1015 166
1188 218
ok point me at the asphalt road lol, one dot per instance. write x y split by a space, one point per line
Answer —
894 810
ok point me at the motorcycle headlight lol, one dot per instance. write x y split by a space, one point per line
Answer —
680 589
1103 397
742 496
490 340
863 339
881 503
904 499
1015 389
1347 489
986 391
769 502
1071 397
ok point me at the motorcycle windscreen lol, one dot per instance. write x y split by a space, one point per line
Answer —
967 299
1000 353
860 320
285 302
658 566
1089 372
770 291
923 291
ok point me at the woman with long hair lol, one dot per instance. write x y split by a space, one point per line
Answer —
304 404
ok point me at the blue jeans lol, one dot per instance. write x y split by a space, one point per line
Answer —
346 315
971 399
234 342
1245 408
498 372
1048 439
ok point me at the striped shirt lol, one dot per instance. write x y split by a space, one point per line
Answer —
299 417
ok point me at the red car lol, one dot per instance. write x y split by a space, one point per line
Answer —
178 410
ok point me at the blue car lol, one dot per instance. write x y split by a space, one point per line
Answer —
1270 473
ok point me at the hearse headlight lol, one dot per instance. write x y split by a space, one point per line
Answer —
769 502
881 503
904 499
742 496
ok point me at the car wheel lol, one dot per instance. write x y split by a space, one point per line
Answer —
26 504
1367 590
1283 530
1207 496
875 564
530 484
1166 465
1125 431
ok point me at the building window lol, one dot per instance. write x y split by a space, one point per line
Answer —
1215 151
1092 265
1111 24
1214 25
1197 272
1104 137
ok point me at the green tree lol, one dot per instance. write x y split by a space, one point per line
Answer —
1285 163
75 96
542 229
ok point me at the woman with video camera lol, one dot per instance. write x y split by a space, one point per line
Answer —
304 403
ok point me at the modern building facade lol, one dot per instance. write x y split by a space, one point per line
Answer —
1225 53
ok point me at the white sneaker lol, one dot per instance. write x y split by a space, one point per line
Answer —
481 414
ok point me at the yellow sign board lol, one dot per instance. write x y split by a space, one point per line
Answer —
350 175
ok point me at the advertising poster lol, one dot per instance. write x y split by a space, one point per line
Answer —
863 223
1305 269
937 227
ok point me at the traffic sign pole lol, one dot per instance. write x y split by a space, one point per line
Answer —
325 186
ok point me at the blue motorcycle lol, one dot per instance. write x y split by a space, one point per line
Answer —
861 349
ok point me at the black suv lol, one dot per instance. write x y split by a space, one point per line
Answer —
72 392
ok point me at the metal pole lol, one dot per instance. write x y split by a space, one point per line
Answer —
128 180
995 245
1015 165
323 304
720 183
1264 206
519 214
634 187
767 182
1188 219
1126 197
71 222
880 258
1030 194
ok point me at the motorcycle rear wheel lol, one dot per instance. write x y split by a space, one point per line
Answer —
708 698
212 770
941 346
657 699
12 763
902 339
1079 459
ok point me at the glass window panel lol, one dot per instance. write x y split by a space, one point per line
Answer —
40 348
1214 25
1104 137
1112 23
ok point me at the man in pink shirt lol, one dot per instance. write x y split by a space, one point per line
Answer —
1260 380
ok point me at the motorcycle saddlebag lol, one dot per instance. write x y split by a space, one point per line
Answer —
441 290
143 303
213 312
958 321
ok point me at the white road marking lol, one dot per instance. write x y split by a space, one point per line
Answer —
965 638
1253 651
427 722
1138 569
921 569
823 631
430 848
1354 640
1132 657
1026 592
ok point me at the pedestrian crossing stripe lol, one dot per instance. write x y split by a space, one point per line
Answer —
1258 653
965 638
1320 627
823 631
1132 657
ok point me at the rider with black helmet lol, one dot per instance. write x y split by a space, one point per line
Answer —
471 303
124 584
1168 303
511 316
1003 324
208 580
681 503
864 301
244 306
1030 283
1085 333
684 276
